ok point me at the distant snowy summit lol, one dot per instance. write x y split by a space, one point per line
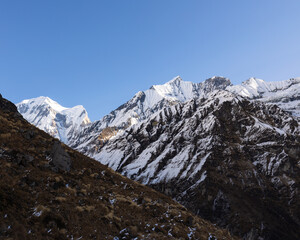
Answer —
60 122
72 125
285 94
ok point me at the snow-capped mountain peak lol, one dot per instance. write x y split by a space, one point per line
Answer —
175 90
285 94
143 105
175 80
179 90
256 85
71 125
50 116
43 101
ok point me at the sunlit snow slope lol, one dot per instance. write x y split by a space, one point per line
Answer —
285 94
60 122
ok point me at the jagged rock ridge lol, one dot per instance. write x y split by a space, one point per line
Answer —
286 94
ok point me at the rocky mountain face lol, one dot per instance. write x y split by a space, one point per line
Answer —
143 105
140 107
60 122
49 191
232 161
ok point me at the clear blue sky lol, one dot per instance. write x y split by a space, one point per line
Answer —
100 53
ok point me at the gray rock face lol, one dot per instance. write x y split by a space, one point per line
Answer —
215 83
60 158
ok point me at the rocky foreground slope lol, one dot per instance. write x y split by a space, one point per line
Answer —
49 191
229 160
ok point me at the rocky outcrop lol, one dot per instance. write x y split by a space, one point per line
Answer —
7 106
60 159
215 83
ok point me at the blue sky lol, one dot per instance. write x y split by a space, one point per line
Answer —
100 53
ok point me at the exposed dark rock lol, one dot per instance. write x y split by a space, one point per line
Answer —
6 105
216 83
60 158
221 208
29 134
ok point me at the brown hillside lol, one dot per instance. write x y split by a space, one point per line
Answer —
49 191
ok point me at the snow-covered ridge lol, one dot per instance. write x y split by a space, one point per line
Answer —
50 116
146 103
255 87
285 94
175 90
43 100
143 105
178 126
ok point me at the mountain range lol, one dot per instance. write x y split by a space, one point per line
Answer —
50 191
229 153
73 127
